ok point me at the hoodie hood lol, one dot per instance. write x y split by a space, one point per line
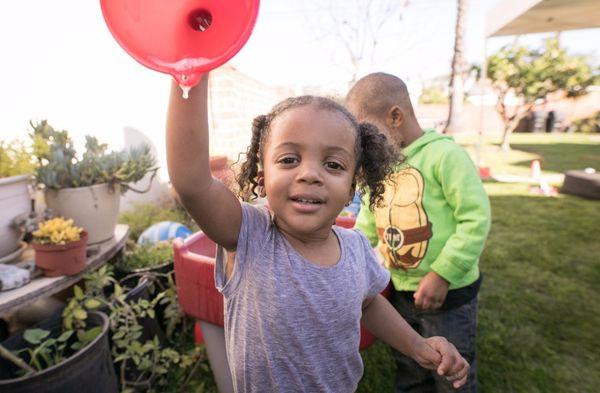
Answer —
428 136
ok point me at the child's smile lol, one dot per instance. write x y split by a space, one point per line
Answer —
309 165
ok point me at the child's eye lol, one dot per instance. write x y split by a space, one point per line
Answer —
334 165
287 160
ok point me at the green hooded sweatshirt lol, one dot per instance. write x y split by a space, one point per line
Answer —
435 215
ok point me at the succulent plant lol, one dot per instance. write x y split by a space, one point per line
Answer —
57 231
59 167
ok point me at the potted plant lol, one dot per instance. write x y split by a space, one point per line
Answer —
87 188
143 259
61 354
16 168
59 247
142 359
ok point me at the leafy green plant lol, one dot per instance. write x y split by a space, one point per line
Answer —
60 167
146 256
47 350
15 159
147 364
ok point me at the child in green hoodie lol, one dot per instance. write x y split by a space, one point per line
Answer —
430 231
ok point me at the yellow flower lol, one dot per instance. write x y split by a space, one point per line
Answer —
57 231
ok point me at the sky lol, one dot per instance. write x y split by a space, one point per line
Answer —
60 62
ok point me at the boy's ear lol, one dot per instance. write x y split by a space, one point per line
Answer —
395 117
352 191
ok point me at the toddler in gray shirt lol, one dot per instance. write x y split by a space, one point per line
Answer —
292 325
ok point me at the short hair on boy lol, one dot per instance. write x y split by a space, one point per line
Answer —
374 94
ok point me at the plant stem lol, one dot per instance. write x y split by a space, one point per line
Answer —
6 354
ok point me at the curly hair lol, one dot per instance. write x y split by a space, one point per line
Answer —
376 158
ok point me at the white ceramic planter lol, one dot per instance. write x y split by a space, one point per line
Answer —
14 201
95 208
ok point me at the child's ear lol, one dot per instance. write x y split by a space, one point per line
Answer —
260 180
395 117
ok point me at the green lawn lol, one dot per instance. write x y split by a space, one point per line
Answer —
556 152
539 316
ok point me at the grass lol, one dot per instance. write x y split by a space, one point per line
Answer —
557 153
539 305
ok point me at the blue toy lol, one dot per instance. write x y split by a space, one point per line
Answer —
162 231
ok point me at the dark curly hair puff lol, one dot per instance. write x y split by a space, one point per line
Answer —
376 158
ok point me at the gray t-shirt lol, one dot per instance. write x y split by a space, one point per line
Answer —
291 325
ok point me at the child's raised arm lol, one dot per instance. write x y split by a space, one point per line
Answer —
212 205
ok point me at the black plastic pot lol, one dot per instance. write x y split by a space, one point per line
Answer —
89 369
163 268
151 327
131 278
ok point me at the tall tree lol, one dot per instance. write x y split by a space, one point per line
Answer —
359 26
457 96
532 75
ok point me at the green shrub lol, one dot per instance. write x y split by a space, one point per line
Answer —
146 256
589 124
15 159
433 95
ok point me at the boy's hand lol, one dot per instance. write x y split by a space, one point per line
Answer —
437 353
432 291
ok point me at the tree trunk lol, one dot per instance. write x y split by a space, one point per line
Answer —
455 121
512 123
505 144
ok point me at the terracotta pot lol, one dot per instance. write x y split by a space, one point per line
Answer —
61 260
222 171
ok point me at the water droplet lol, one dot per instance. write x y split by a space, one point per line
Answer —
185 90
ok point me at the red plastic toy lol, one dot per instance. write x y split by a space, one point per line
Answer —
184 38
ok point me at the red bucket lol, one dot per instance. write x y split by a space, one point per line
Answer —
194 274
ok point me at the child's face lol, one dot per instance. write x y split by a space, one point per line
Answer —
309 163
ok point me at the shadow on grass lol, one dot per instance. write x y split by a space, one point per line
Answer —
561 157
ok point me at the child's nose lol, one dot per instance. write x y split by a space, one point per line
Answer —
310 173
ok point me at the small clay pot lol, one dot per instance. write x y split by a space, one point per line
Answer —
61 260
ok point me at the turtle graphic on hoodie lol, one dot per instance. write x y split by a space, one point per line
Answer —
403 225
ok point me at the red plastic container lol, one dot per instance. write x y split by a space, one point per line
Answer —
345 221
198 297
194 274
184 38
